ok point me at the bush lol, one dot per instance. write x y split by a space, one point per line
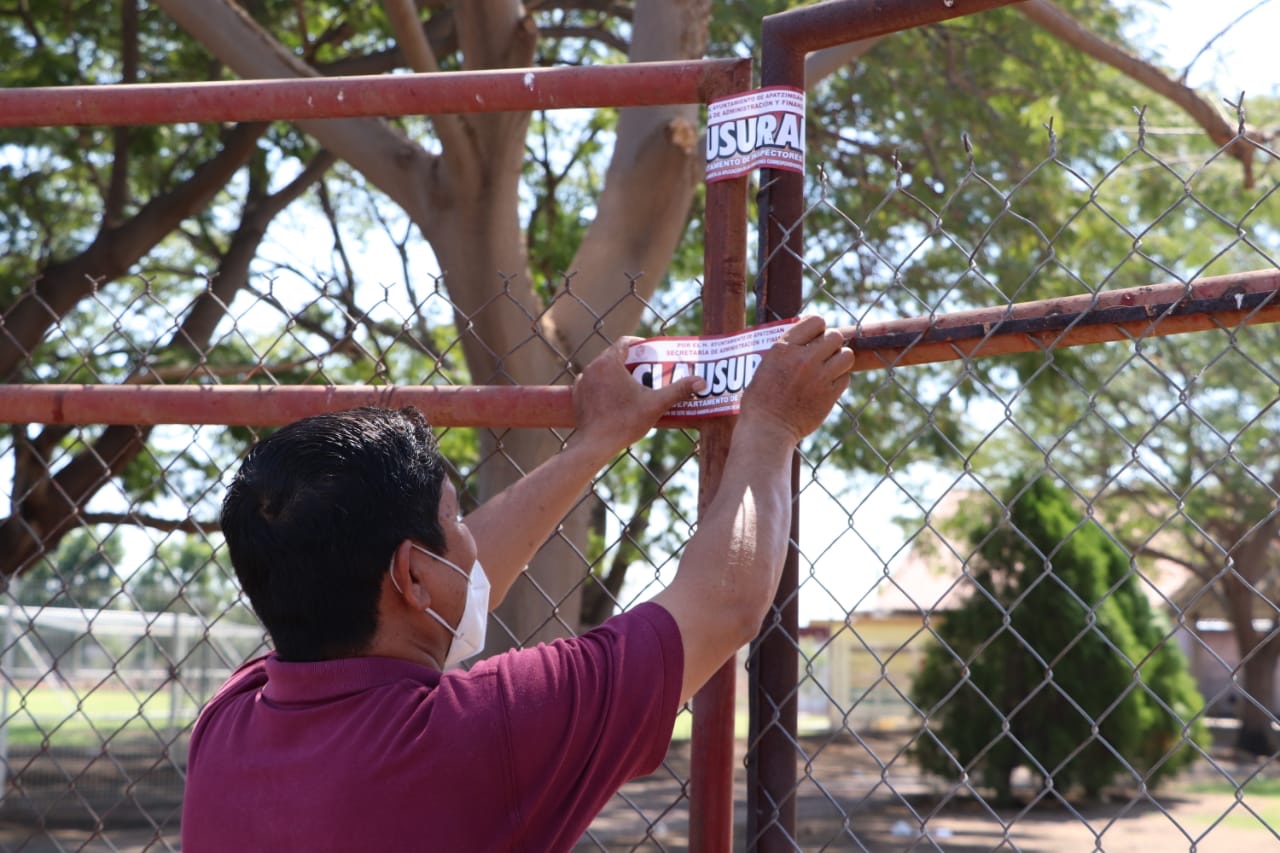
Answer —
1056 661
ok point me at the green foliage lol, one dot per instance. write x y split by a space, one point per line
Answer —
944 189
83 572
564 175
1056 661
181 576
913 219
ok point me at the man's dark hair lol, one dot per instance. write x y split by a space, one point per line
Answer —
315 514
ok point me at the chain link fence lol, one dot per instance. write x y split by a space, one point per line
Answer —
932 590
127 620
1036 590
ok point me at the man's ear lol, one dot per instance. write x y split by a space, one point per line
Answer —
407 579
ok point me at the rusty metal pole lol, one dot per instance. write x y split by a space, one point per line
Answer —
724 291
786 39
305 98
1149 311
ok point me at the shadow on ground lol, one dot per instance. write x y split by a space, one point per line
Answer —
854 794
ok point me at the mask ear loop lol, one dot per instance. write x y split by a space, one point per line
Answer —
391 572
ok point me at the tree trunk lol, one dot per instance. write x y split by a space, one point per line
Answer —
1258 651
640 219
1256 671
465 201
1257 713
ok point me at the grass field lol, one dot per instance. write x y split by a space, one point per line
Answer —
62 717
1259 806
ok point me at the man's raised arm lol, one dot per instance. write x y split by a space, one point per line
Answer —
612 411
730 568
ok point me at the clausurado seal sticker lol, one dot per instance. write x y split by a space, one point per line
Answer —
760 129
726 362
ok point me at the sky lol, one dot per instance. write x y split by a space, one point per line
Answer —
1241 60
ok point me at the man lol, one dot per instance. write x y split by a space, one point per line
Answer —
357 733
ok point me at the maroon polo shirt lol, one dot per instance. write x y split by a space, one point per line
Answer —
519 753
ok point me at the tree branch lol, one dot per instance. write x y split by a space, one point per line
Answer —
1182 78
416 49
598 34
138 519
599 599
441 33
385 156
639 221
51 504
821 64
118 186
63 284
1224 134
414 46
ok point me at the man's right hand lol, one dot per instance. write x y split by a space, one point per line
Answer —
730 568
798 381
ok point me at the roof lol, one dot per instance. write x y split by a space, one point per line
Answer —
932 574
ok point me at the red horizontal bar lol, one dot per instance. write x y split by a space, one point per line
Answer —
1141 312
273 405
820 25
1150 311
630 84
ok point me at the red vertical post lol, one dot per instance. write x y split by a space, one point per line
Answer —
724 290
774 664
786 39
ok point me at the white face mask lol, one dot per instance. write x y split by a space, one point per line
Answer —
468 637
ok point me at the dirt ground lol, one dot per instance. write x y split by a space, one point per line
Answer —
866 796
853 796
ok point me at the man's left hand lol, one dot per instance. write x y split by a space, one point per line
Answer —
612 408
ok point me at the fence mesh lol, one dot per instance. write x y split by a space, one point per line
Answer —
127 617
1038 590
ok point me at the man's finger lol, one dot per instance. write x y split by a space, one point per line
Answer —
842 363
618 349
828 343
682 389
625 342
805 330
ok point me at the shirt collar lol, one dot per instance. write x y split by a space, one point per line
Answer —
315 681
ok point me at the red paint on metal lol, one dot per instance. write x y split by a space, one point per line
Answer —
1242 299
632 84
723 310
1080 320
785 39
274 405
799 31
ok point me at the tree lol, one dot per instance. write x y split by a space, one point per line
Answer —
1172 439
83 208
183 577
464 199
190 207
83 573
1058 642
1175 444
